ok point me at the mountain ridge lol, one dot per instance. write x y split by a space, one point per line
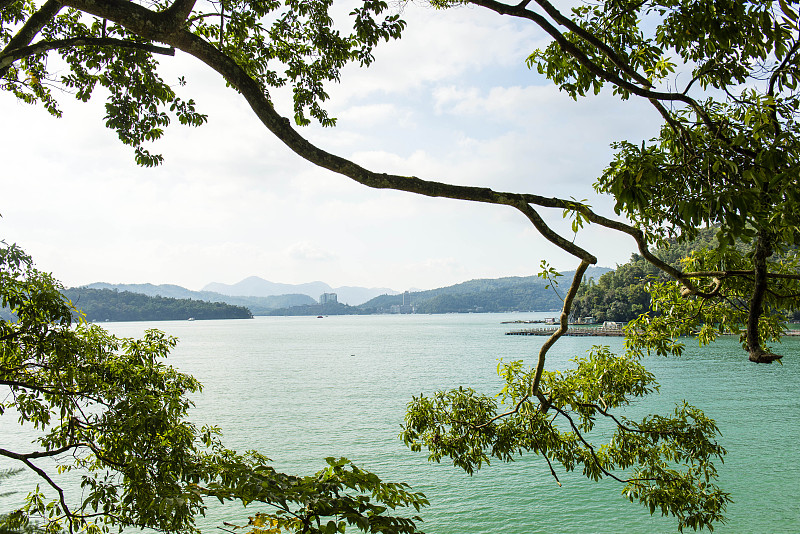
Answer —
480 294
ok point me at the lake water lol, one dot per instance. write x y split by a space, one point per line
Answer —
299 389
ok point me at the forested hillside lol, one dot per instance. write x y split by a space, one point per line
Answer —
109 305
329 308
528 293
621 295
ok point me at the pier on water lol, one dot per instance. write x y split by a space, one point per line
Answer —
597 331
572 331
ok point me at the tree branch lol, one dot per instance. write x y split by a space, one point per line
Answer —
593 454
655 97
47 478
563 324
7 58
38 454
179 11
146 23
763 251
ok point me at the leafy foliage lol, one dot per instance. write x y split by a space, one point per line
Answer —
675 314
665 462
276 43
28 529
110 411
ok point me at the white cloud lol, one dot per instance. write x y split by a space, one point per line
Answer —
306 251
441 45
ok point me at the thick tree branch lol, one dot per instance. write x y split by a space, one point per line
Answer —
38 454
745 273
30 29
179 11
151 25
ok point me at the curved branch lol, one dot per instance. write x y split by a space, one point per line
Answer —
563 324
562 329
26 460
7 58
151 25
776 74
38 454
655 97
745 273
580 56
592 452
594 41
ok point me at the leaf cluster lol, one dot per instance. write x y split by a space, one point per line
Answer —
664 462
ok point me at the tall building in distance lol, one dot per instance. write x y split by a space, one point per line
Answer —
328 298
406 307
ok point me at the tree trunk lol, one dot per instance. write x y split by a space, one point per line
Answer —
762 251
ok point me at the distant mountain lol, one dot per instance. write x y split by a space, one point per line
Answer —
254 286
257 305
258 287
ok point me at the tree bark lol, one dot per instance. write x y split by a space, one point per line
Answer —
763 250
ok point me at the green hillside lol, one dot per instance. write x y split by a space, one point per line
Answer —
528 293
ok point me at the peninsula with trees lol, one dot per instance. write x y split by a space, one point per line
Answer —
100 305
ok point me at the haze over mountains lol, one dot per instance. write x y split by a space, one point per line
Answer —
254 286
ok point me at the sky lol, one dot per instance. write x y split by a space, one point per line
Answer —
451 101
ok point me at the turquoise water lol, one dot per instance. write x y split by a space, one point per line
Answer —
300 388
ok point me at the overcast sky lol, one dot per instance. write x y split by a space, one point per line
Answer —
451 101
